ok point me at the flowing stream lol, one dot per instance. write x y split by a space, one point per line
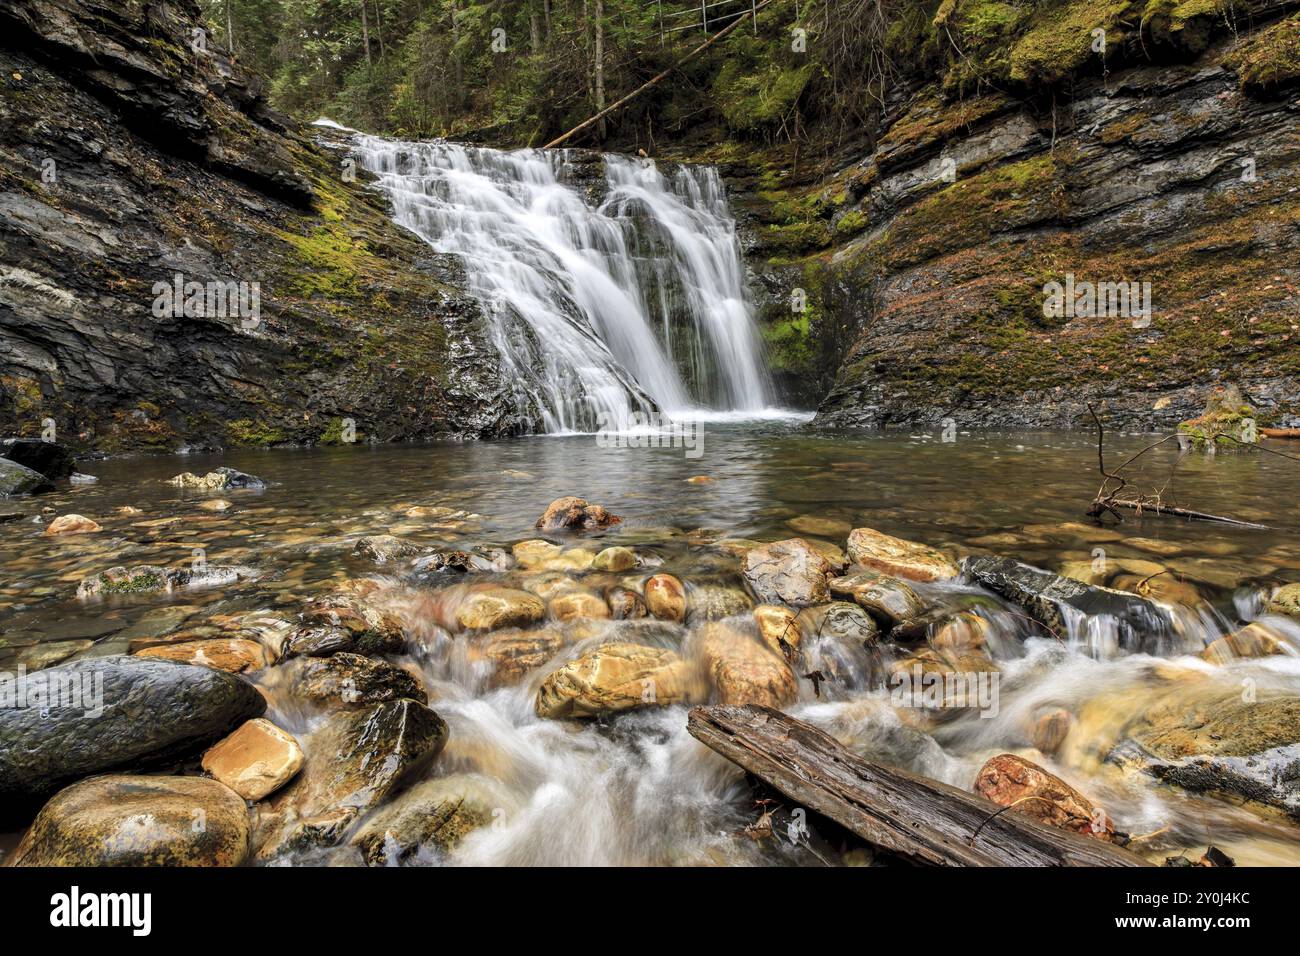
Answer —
637 788
612 286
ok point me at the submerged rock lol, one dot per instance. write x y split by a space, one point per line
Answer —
119 820
576 604
47 458
351 679
625 604
1056 602
17 480
153 713
513 655
387 548
1253 640
256 760
354 761
575 514
1014 782
788 572
1051 729
709 602
899 557
613 678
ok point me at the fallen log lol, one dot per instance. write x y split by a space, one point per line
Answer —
917 819
1280 432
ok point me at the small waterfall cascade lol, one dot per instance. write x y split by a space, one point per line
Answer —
613 286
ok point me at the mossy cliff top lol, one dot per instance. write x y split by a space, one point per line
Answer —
161 161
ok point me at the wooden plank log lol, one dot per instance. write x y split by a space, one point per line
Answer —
920 820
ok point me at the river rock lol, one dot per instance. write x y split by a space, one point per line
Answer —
1225 746
1285 600
625 604
964 631
572 605
1011 781
463 562
1253 640
778 628
136 579
575 514
217 479
513 654
256 760
841 621
743 671
710 602
531 554
371 630
16 480
499 607
119 820
820 527
354 761
898 557
889 600
235 656
154 713
387 548
615 559
1051 729
352 679
436 814
613 678
665 597
1053 600
47 458
788 572
72 524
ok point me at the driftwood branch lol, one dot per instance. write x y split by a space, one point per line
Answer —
917 819
1109 499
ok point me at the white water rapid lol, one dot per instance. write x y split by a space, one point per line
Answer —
610 292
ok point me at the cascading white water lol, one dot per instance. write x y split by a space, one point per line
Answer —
629 304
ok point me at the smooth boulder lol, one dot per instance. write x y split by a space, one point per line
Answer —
354 761
613 678
120 820
1011 781
575 514
899 557
154 713
744 671
788 572
434 814
16 480
499 607
256 760
354 680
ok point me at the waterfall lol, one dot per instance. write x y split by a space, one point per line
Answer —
608 293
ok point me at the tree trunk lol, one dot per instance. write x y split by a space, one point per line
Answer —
365 32
230 27
914 818
379 30
600 67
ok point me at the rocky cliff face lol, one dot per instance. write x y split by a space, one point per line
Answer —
135 157
1173 159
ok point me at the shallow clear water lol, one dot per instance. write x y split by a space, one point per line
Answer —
639 789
